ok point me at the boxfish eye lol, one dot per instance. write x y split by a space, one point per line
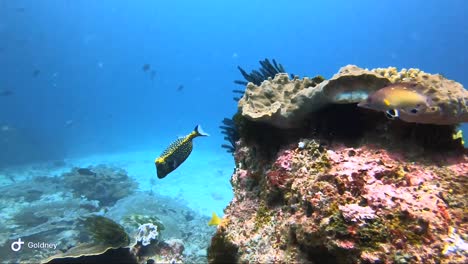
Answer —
389 116
392 114
414 111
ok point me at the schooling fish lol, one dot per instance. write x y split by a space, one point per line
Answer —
177 153
6 92
146 67
397 97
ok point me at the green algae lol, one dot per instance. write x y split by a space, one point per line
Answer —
372 234
337 226
403 226
263 216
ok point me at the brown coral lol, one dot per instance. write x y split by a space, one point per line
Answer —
285 103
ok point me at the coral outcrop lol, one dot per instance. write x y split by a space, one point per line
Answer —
335 204
286 103
318 180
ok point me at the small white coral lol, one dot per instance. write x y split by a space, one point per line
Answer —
146 233
455 244
301 145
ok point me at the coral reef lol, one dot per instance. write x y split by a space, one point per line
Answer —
337 204
102 183
174 221
318 180
122 236
46 209
286 103
104 235
136 220
54 217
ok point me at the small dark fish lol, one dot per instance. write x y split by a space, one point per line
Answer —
152 74
6 92
176 153
11 177
86 171
146 67
189 216
20 9
180 88
69 123
36 73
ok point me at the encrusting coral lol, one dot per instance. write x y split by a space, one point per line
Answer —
317 199
346 205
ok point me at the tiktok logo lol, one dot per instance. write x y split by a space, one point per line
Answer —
16 246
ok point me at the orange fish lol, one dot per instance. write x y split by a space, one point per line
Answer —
397 97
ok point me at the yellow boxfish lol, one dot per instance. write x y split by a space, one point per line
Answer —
397 97
177 152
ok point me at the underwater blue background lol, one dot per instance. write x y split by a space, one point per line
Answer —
92 96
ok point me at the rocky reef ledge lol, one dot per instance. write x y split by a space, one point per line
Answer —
320 180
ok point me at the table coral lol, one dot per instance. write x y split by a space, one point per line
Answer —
285 103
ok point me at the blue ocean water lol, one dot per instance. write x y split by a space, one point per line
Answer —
90 56
78 86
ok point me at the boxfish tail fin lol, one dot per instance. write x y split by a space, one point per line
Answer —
199 131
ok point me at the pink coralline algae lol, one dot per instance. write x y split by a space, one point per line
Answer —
355 212
339 204
284 160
